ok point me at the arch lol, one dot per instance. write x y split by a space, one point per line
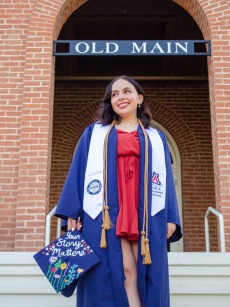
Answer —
176 166
198 13
66 143
37 108
191 156
178 128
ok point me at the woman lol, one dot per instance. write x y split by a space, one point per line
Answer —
125 163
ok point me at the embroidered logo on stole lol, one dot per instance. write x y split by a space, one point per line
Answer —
94 187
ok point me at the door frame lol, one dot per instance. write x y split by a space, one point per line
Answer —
176 167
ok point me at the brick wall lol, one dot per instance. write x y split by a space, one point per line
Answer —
212 18
14 19
27 29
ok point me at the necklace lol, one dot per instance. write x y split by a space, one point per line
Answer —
128 123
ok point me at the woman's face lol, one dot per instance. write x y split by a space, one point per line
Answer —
124 99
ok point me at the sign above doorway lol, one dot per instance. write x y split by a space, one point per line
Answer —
131 48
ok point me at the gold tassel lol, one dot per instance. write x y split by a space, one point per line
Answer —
103 243
143 243
147 257
107 221
145 251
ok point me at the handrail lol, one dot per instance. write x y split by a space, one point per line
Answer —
221 228
48 225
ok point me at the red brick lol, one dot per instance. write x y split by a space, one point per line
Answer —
26 85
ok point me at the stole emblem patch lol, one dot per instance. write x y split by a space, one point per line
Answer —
94 187
157 186
155 179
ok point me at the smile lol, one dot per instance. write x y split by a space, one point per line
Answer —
123 104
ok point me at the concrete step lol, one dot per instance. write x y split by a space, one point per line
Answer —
196 280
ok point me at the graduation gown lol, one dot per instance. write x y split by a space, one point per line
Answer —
103 285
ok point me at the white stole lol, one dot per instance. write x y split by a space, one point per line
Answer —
93 187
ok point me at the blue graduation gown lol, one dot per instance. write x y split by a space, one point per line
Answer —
103 285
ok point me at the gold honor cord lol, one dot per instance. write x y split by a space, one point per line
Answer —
145 251
107 224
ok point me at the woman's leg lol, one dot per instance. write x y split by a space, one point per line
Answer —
129 252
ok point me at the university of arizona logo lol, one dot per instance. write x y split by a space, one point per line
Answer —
94 187
155 179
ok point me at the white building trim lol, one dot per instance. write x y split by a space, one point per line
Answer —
176 166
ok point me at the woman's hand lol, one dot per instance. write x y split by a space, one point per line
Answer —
171 227
73 224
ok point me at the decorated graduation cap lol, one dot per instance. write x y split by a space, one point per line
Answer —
67 258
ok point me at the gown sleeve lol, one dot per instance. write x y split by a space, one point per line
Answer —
70 203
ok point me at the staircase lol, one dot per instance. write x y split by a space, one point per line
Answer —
196 280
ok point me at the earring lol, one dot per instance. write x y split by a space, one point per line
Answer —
139 105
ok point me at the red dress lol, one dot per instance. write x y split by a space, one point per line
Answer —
128 153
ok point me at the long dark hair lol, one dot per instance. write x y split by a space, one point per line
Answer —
105 114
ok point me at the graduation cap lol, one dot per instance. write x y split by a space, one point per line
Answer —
67 258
